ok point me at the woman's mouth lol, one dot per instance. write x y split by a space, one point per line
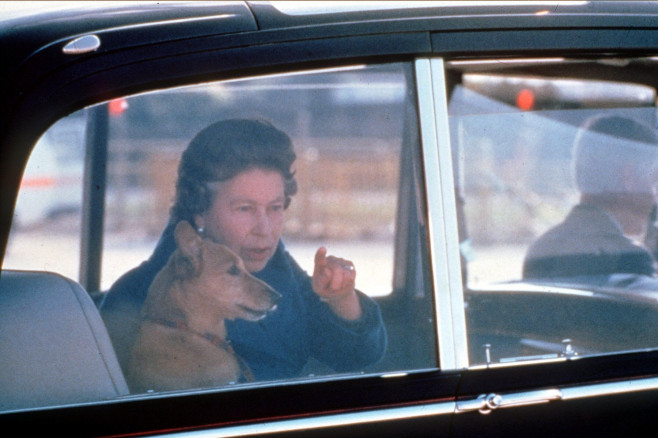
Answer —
257 254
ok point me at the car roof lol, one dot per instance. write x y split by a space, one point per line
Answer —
40 30
451 14
30 27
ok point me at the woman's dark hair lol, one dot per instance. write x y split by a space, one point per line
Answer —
223 150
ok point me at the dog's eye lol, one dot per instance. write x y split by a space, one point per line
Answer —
233 270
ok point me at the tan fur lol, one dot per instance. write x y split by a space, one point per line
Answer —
202 285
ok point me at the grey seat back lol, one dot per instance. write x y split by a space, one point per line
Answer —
54 348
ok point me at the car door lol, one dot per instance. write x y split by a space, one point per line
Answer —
359 144
571 351
433 179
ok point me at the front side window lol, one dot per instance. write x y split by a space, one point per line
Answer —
556 172
252 230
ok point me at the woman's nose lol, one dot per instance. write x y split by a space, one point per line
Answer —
262 223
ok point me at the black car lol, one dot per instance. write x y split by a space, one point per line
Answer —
439 147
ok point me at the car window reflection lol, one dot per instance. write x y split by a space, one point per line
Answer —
557 177
615 160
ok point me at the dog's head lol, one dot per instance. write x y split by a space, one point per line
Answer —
217 277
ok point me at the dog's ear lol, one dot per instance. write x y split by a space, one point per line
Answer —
188 262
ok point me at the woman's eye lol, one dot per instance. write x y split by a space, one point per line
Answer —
233 270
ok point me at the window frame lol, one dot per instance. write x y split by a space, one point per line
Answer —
442 211
575 67
389 403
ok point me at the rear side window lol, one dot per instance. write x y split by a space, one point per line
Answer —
50 198
253 232
557 175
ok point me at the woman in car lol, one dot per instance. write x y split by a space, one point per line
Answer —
234 183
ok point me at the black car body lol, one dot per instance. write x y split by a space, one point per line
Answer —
472 351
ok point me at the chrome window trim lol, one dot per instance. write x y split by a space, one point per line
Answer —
324 421
485 403
442 210
610 388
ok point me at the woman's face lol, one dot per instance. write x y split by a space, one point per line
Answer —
247 215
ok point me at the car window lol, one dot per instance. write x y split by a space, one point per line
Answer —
50 197
354 133
555 163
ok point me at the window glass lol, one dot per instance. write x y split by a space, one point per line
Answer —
244 282
347 132
48 209
556 171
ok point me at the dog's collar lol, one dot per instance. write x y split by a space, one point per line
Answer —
217 341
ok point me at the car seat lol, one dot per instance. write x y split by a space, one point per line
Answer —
54 348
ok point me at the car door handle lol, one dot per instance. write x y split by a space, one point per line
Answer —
486 403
